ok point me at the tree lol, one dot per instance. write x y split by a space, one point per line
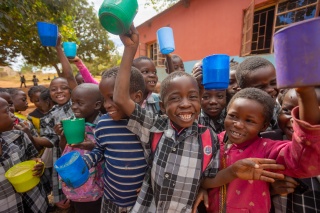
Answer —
76 20
160 5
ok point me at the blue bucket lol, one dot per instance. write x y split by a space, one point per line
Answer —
70 49
72 169
216 70
165 40
48 33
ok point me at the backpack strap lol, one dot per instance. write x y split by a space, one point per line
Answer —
155 140
207 141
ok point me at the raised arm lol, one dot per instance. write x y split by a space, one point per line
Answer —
66 67
308 105
84 71
121 95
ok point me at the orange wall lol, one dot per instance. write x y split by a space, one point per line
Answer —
205 27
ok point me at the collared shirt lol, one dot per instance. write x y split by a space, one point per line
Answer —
217 126
47 123
16 148
172 182
151 103
124 163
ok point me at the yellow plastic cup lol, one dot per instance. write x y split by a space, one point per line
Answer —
21 176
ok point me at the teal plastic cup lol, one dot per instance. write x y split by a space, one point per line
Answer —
74 130
72 169
165 40
70 49
117 16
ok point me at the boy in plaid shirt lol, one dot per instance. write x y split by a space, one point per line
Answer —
15 147
172 182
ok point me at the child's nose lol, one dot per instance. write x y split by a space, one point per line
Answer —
185 102
238 124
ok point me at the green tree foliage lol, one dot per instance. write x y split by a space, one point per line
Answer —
160 5
76 19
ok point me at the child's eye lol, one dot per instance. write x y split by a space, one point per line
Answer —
205 97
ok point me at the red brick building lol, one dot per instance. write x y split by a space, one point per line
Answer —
238 28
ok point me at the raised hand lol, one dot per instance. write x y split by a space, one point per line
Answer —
131 38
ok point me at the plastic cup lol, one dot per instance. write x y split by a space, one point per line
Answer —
48 33
117 16
215 70
72 169
74 130
70 49
297 51
165 40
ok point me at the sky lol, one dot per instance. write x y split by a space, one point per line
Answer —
144 13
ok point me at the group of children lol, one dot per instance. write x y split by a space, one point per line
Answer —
166 152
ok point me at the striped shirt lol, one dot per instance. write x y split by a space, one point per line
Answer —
124 161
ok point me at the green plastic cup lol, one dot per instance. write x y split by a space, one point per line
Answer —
116 16
74 130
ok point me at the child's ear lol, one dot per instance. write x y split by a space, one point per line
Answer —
98 105
162 108
138 97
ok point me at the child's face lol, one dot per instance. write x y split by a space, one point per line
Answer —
182 102
6 96
245 119
149 73
178 64
79 79
84 104
233 85
106 88
6 117
264 78
290 100
60 91
20 101
35 98
213 102
44 106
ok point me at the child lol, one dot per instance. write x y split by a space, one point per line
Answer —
172 182
60 93
259 73
35 80
295 195
149 73
173 63
213 112
45 101
20 102
124 161
86 103
248 114
15 147
79 78
34 96
22 81
233 85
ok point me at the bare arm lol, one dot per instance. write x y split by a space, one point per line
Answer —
169 64
246 169
66 67
308 105
121 94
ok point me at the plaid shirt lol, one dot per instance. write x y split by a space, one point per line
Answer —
16 148
217 126
56 114
172 182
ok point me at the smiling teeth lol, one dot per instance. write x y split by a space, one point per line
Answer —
185 117
236 133
110 113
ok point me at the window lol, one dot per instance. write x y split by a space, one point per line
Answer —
155 55
260 24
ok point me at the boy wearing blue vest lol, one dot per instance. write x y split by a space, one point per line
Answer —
174 176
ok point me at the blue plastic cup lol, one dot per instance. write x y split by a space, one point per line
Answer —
215 70
48 33
70 49
165 40
72 169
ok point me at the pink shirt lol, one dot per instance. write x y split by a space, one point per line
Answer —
86 75
300 157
